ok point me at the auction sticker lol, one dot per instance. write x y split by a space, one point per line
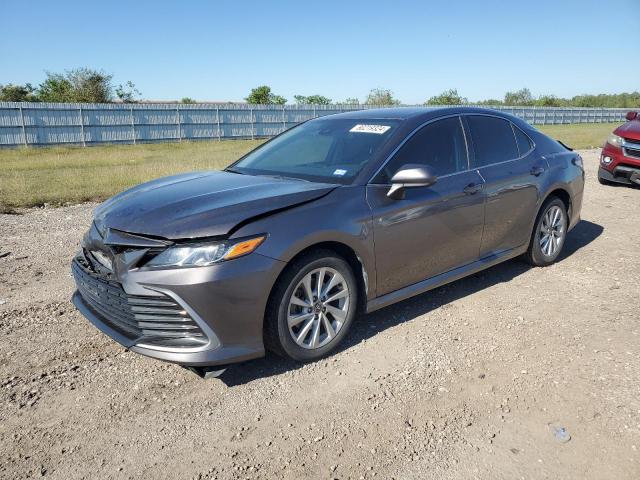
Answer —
379 129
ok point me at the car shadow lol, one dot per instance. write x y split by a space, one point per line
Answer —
366 326
633 186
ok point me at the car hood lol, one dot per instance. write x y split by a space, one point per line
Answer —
629 130
201 204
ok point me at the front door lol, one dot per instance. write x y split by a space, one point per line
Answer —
432 229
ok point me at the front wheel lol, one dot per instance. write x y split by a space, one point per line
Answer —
312 307
549 233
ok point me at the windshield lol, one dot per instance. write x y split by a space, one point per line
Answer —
323 150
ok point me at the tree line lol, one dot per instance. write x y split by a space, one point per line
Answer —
79 85
84 85
522 97
263 95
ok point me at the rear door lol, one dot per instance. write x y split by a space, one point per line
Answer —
433 229
504 156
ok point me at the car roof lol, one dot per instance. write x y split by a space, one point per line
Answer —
416 114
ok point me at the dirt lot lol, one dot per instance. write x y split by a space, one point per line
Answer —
472 380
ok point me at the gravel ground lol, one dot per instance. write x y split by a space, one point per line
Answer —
472 380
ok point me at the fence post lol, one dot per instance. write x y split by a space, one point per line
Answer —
133 126
251 116
284 125
84 143
314 112
178 123
218 120
24 131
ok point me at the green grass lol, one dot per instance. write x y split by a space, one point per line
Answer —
58 175
580 135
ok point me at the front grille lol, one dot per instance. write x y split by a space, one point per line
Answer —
631 147
150 320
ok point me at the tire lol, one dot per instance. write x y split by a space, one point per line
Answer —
541 253
338 314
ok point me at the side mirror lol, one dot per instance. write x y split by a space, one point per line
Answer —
632 115
410 175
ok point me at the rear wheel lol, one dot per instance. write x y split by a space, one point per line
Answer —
312 307
549 233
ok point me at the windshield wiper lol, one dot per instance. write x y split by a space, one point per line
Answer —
234 171
283 177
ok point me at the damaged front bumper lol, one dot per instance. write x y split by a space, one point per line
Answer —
202 316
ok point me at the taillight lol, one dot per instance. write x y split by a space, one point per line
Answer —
577 161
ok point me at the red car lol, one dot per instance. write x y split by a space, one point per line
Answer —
620 158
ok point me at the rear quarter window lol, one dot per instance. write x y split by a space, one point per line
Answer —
523 141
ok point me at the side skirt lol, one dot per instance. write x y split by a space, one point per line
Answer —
443 278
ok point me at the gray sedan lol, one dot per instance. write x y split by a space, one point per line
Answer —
337 216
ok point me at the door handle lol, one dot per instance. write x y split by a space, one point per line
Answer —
537 171
472 188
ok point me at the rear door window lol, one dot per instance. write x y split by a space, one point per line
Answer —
493 140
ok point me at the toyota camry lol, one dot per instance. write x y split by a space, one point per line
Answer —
336 217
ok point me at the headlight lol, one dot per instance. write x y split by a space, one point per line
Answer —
203 254
615 140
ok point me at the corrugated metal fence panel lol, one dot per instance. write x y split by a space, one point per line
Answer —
86 124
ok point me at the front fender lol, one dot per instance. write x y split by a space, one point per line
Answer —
341 217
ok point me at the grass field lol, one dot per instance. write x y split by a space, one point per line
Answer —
580 135
58 175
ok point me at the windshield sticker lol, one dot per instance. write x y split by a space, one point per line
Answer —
379 129
339 172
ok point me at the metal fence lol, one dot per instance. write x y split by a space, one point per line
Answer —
33 124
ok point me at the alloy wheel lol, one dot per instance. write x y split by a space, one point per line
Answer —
552 231
318 307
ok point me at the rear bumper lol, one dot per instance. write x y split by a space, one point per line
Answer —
227 300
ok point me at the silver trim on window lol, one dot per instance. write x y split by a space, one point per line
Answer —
464 131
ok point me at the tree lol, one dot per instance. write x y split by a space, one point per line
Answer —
18 93
77 85
90 86
549 101
489 101
381 96
127 93
521 97
312 100
56 88
448 97
351 101
263 95
188 100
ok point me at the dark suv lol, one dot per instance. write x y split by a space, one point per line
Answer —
340 214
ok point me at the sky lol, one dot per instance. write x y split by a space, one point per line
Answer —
218 50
